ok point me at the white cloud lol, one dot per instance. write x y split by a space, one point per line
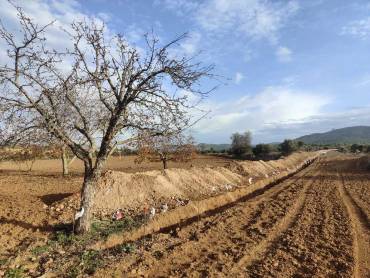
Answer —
63 13
256 19
364 81
191 44
180 7
238 77
284 54
252 18
320 123
358 28
270 107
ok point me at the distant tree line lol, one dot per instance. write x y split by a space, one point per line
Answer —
241 147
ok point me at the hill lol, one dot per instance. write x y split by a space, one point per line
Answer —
347 135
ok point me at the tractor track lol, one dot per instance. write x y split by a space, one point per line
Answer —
361 228
309 225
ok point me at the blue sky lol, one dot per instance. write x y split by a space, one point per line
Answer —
289 67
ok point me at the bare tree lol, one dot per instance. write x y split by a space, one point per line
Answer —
108 90
164 148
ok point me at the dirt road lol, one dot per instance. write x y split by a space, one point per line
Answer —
314 224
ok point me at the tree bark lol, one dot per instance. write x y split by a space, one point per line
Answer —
64 161
164 164
91 179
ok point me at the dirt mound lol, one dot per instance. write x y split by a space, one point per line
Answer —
135 192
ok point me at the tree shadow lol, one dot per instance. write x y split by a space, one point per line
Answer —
49 199
42 228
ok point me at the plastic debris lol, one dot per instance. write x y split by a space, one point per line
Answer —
152 213
117 215
250 180
79 213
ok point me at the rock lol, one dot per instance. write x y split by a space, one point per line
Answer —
275 264
45 206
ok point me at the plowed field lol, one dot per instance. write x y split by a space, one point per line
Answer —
314 224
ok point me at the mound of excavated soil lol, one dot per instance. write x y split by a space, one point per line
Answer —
134 192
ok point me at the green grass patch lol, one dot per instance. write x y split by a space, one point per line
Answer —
39 250
103 229
90 261
14 273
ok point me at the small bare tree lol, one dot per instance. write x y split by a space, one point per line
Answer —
108 90
164 148
26 155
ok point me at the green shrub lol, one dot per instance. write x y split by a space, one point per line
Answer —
127 248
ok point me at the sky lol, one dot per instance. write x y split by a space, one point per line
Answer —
285 68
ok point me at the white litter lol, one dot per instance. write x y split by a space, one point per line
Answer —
79 213
152 213
164 208
250 180
228 187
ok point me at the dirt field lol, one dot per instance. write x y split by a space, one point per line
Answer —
314 224
23 195
125 164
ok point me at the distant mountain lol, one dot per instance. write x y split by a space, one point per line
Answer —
347 135
215 147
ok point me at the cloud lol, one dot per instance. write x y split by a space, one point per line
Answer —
364 81
238 77
42 13
191 44
358 28
254 19
269 108
180 7
314 124
284 54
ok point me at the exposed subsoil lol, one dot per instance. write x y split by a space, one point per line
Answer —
314 224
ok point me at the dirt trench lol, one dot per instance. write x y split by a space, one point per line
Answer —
314 224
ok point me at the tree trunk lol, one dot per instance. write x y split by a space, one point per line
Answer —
91 179
64 161
164 164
